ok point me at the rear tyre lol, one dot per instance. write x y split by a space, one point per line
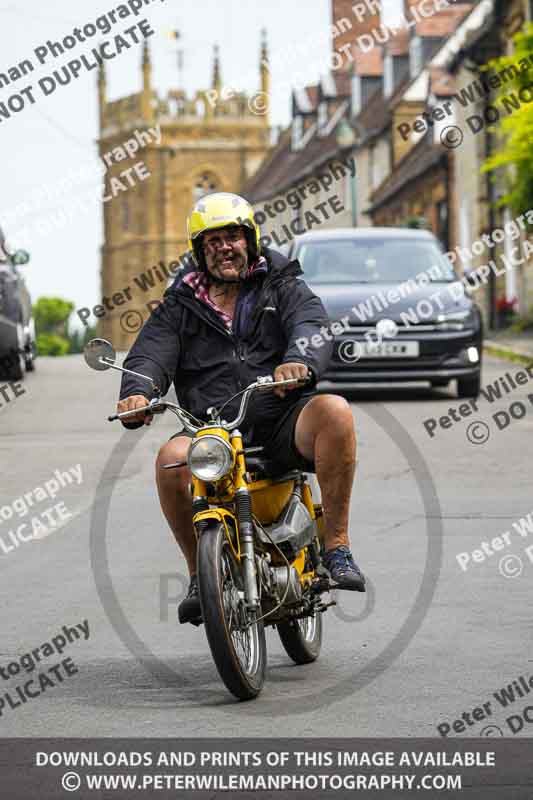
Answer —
29 360
302 638
469 387
238 647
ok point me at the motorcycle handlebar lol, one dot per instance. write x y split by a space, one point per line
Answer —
158 406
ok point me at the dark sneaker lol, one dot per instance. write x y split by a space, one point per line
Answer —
344 572
189 610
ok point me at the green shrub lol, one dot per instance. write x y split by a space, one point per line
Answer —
523 324
50 344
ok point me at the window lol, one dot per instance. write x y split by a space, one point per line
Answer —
415 56
297 132
388 75
357 101
322 116
369 260
204 185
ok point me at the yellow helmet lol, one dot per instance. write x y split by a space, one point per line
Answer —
218 210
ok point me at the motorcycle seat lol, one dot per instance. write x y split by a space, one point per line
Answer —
269 468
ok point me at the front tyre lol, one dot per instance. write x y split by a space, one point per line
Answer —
302 638
238 647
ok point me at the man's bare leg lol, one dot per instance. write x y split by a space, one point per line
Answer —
325 433
175 497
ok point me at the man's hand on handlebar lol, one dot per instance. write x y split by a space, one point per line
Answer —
130 404
290 371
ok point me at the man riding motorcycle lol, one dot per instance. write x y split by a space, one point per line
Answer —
235 317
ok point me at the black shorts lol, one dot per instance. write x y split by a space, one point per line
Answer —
278 438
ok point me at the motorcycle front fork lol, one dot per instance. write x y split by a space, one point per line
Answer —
243 503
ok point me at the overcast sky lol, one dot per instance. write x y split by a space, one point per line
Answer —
49 140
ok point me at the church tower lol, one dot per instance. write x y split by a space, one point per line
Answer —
212 141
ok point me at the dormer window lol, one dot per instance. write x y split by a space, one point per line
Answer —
322 116
388 75
415 56
297 132
357 100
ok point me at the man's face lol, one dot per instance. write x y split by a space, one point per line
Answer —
226 252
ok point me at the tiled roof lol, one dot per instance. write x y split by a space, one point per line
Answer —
415 163
284 168
374 117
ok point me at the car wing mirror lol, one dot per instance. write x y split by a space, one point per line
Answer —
20 257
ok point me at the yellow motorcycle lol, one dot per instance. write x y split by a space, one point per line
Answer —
258 532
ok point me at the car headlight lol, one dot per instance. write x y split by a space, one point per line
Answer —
210 458
457 320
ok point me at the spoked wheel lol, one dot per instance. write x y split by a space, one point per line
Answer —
237 643
302 638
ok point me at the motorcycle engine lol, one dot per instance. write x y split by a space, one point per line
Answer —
281 577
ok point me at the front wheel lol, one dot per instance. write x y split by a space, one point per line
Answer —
302 638
237 643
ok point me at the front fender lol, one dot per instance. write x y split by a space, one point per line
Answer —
221 516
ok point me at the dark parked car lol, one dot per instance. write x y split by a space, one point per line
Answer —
397 310
17 330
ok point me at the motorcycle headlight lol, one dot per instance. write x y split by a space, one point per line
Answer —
456 321
210 458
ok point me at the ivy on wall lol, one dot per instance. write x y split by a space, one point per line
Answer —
515 130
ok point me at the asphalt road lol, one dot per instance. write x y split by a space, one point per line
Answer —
427 643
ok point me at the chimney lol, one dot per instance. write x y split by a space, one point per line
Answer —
349 21
410 9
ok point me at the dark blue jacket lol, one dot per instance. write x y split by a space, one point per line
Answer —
186 342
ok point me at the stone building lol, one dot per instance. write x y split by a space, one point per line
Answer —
212 141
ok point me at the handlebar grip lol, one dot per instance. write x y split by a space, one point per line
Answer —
133 412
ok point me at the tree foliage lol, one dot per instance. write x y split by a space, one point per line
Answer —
51 315
50 344
515 131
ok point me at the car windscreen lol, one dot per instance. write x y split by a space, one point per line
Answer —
369 260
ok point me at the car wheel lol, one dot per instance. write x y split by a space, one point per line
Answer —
29 356
469 387
16 363
16 368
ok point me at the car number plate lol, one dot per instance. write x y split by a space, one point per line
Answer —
389 349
